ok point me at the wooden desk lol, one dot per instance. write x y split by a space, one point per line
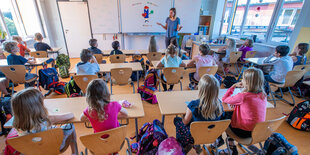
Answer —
173 102
155 63
133 52
257 61
55 50
106 68
39 62
76 105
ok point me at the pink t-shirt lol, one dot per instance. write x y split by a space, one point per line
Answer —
203 61
250 108
111 110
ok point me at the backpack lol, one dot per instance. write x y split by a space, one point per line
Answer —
170 146
276 144
71 89
63 63
147 90
47 77
299 118
149 138
229 81
137 58
59 87
5 111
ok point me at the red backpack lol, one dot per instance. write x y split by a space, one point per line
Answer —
147 91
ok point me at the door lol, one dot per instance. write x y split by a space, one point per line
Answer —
76 26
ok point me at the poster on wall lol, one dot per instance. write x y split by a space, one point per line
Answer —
141 16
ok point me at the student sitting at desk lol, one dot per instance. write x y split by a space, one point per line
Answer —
102 113
94 46
249 105
39 45
13 59
22 48
299 54
116 47
230 47
201 60
86 67
281 65
173 41
247 46
206 108
171 59
30 116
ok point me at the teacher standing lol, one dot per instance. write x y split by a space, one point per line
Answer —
172 26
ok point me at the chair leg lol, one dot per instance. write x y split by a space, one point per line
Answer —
289 89
262 148
223 70
86 153
274 101
227 145
159 86
299 92
181 85
133 87
204 146
247 150
128 145
12 88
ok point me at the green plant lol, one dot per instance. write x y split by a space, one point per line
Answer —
2 34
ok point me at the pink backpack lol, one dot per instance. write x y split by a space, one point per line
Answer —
147 91
170 146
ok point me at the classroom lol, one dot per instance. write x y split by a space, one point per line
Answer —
146 77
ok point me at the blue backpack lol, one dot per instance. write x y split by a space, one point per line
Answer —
149 138
276 144
48 77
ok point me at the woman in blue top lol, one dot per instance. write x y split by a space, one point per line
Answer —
172 26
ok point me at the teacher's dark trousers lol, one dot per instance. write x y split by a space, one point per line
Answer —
168 39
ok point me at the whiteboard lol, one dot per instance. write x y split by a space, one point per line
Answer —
188 11
133 20
103 16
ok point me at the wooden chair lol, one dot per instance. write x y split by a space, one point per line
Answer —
82 81
106 142
305 69
290 80
121 77
260 133
98 58
17 73
39 54
154 56
118 58
7 53
250 54
206 132
45 142
173 75
207 70
233 59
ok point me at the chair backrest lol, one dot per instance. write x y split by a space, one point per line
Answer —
98 58
173 74
39 54
82 81
234 56
292 77
250 54
263 130
206 132
154 56
121 75
118 58
45 142
106 142
207 70
304 68
7 53
16 73
189 43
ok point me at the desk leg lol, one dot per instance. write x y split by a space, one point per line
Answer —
163 119
136 123
110 83
138 79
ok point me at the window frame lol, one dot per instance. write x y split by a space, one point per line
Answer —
272 24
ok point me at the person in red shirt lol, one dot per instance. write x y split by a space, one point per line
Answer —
22 48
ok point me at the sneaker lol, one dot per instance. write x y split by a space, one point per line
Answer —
197 148
219 142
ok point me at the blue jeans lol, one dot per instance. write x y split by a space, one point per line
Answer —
269 79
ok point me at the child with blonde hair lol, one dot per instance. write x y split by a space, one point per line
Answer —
102 113
39 45
230 47
31 116
206 108
22 48
171 59
249 105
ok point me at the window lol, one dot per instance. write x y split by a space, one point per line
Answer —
21 17
287 20
278 17
238 17
225 26
258 18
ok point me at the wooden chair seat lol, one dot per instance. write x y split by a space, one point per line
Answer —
98 58
243 141
173 75
121 77
31 80
39 54
118 58
82 81
154 56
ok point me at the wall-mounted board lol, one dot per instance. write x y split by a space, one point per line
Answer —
104 16
141 16
188 11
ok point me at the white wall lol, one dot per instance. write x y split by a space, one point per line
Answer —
142 41
53 25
